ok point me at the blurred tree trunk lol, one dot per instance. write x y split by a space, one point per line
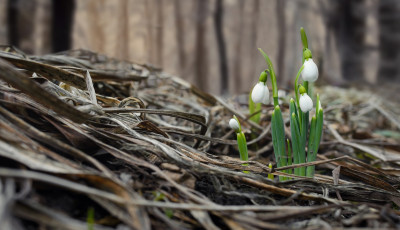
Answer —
160 33
223 62
63 13
254 33
281 23
201 67
237 73
20 24
348 24
96 29
123 30
12 22
179 32
149 24
389 39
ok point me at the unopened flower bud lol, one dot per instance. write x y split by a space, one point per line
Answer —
306 104
310 71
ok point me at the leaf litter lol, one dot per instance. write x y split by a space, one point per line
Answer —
147 150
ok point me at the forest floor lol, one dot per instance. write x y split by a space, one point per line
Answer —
132 147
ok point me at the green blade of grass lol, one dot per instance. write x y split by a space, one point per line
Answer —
274 139
242 144
280 131
295 142
301 150
318 129
311 155
289 156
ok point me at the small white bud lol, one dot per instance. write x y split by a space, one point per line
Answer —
306 104
310 71
260 93
234 124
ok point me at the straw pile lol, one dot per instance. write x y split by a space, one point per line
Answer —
128 146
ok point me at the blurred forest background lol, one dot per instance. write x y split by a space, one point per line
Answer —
213 43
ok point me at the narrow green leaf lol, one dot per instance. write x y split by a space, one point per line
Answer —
289 155
319 128
275 139
295 142
242 144
317 105
311 155
301 150
280 131
303 38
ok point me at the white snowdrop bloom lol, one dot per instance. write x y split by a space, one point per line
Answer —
234 124
305 102
265 99
260 93
310 71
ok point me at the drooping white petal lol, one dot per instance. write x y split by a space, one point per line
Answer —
306 104
265 98
234 124
257 94
310 71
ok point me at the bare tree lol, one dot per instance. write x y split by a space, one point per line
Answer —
160 33
237 67
63 13
218 25
254 32
347 21
123 44
96 29
201 67
281 23
179 32
149 25
389 39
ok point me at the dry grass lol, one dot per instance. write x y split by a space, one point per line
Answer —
147 150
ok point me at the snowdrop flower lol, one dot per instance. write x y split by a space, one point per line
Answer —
260 93
310 71
305 102
234 124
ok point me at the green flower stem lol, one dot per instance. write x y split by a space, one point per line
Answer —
305 84
296 85
273 77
